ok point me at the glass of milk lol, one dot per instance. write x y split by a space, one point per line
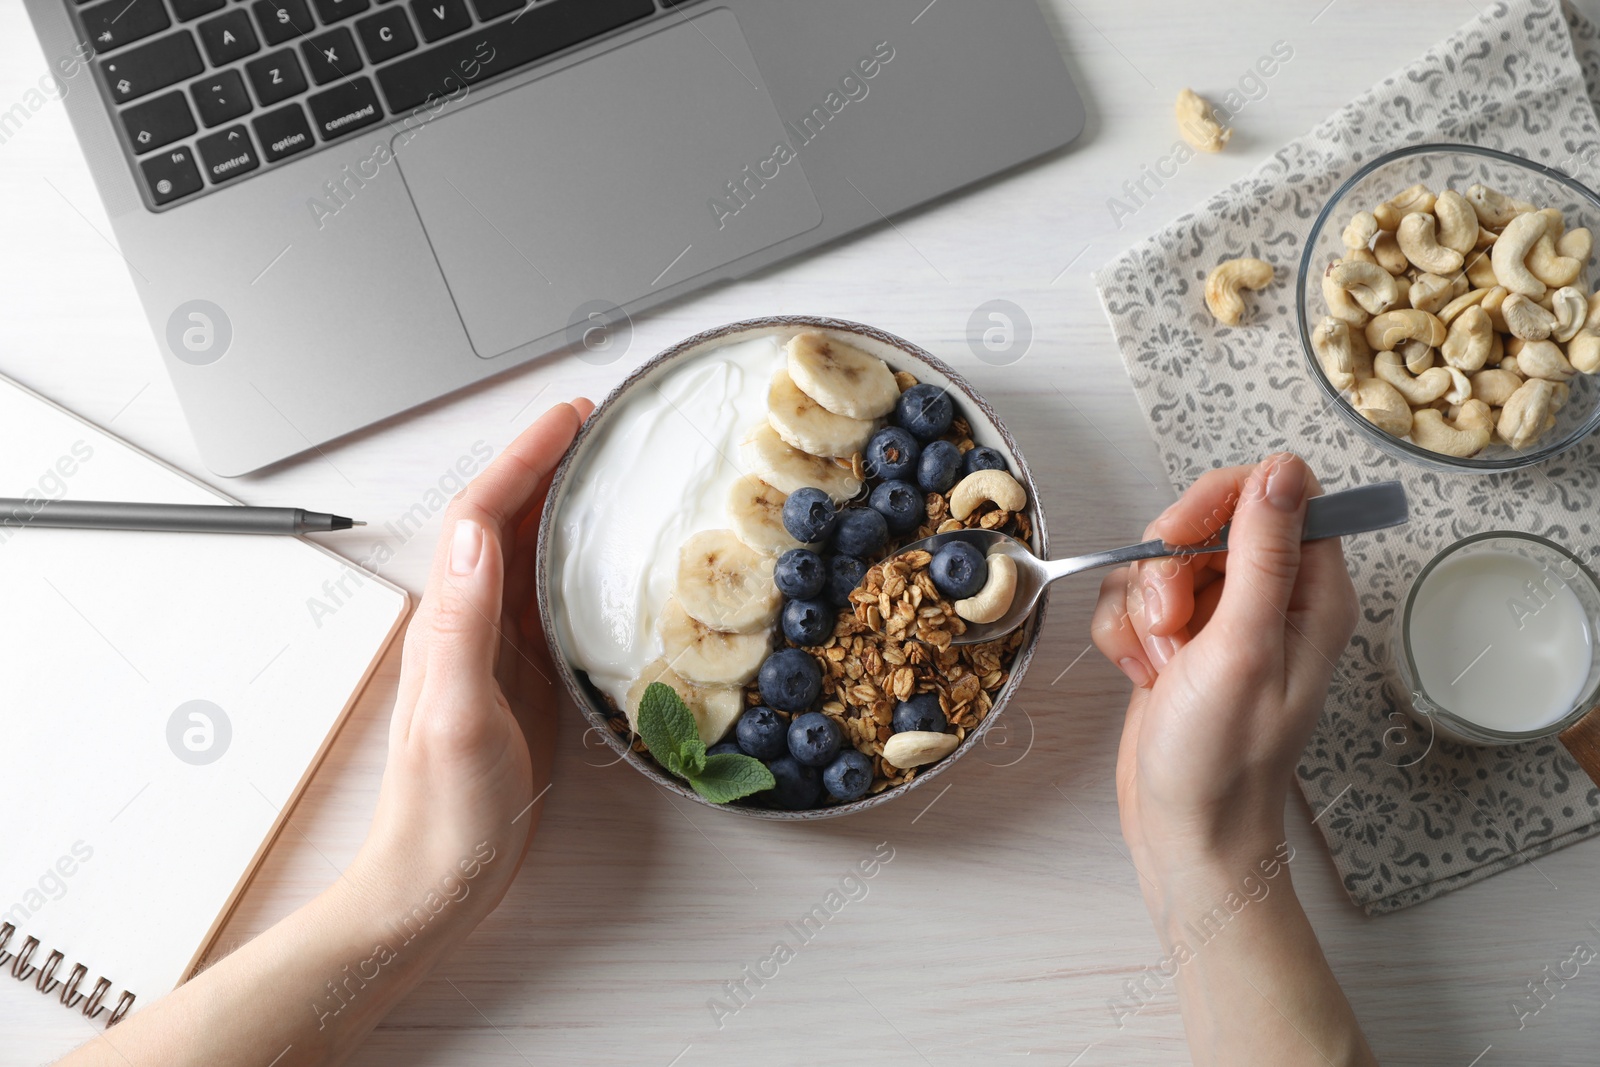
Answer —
1496 642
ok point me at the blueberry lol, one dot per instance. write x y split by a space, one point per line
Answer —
982 458
892 453
901 504
809 515
814 739
921 712
790 680
861 532
940 467
844 574
808 622
959 570
925 410
724 748
762 733
798 786
800 574
848 776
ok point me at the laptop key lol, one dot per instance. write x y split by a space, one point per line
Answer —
141 71
344 108
227 154
281 20
386 35
283 132
440 18
275 76
193 9
220 97
331 55
493 9
158 121
171 174
119 22
330 11
545 28
227 38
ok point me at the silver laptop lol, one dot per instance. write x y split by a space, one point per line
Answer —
335 210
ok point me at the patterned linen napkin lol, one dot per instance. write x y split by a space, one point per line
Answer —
1405 816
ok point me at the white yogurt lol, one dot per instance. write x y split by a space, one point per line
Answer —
661 472
1500 641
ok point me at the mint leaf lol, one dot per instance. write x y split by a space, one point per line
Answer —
665 724
693 756
728 776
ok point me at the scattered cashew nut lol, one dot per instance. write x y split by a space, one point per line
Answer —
1363 227
1225 281
979 486
1418 356
1550 267
1417 198
1468 344
1458 223
1342 351
913 748
1428 292
1527 412
1386 250
1510 254
1571 308
1543 359
1418 391
1448 313
1576 244
1494 208
1419 240
1583 351
991 603
1526 319
1369 285
1467 436
1388 330
1382 405
1198 122
1495 386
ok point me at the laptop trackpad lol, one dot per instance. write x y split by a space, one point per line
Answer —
605 181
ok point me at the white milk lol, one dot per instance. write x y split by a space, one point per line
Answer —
1500 641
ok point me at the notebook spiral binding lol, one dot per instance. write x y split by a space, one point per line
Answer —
45 981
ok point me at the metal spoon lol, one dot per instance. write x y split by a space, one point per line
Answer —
1350 511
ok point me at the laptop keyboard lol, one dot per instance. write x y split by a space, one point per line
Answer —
209 92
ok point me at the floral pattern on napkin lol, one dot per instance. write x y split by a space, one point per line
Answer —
1406 817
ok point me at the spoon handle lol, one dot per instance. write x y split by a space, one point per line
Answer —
1350 511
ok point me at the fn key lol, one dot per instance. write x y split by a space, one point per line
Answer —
171 174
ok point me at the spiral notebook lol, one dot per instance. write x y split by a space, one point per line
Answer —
164 698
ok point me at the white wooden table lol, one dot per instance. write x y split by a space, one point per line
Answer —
1009 916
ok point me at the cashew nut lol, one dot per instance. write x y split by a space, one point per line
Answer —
1418 391
1343 353
913 748
1382 405
1198 123
1511 366
1458 223
1495 386
979 486
1468 344
1497 350
1414 199
1576 244
1584 351
991 603
1543 359
1467 436
1486 237
1527 319
1526 414
1225 281
1418 356
1340 303
1429 292
1550 267
1360 255
1448 313
1388 330
1361 230
1387 252
1494 208
1419 241
1368 284
1460 390
1491 302
1510 254
1592 321
1480 269
1571 309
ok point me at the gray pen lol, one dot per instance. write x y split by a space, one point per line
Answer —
169 518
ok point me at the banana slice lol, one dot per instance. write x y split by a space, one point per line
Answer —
786 468
725 585
705 656
755 510
810 427
715 707
843 379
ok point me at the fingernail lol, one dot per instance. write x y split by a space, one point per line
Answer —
1151 592
466 547
1161 650
1136 672
1286 484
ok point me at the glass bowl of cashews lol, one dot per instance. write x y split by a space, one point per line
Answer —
1445 307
